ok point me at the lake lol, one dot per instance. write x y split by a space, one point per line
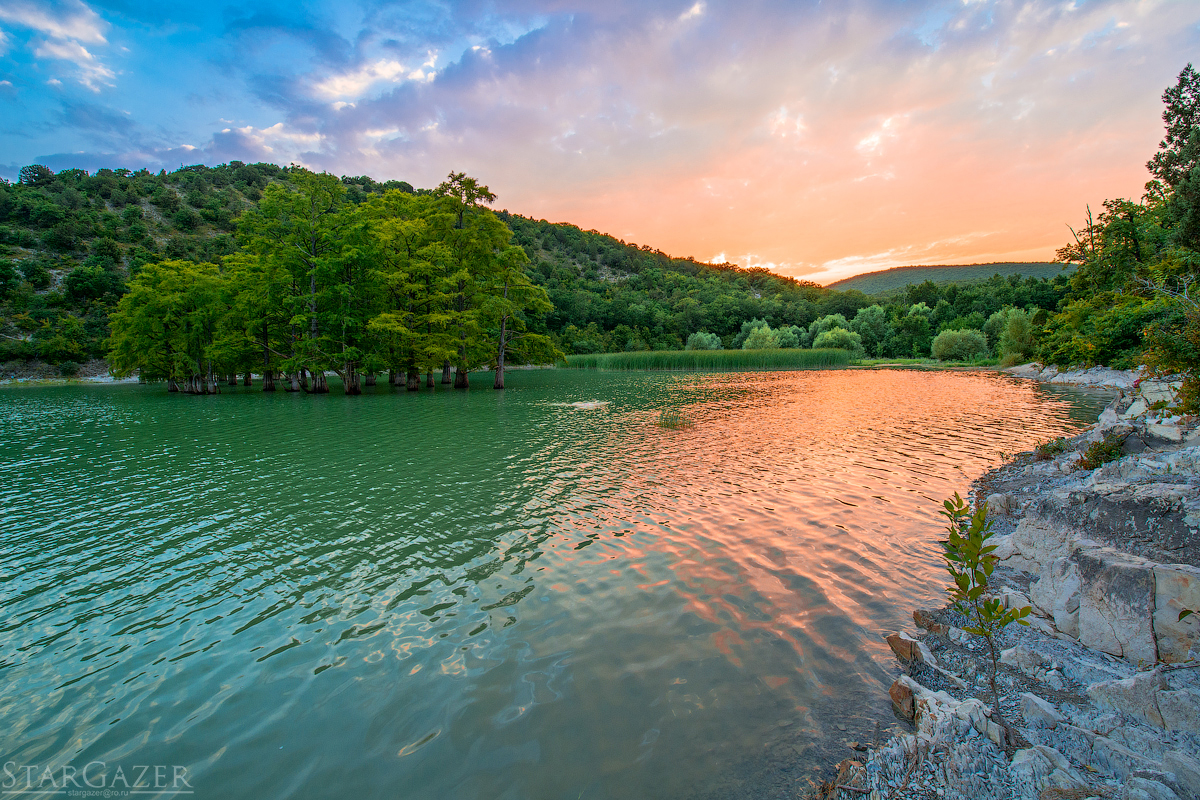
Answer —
482 594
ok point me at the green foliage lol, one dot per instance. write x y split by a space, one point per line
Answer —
762 338
966 345
823 324
1045 451
712 360
839 339
1100 453
1173 340
1016 340
701 340
970 560
871 324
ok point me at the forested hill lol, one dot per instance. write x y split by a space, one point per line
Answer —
72 242
890 281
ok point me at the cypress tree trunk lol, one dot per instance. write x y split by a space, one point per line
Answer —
429 379
319 384
394 377
414 380
172 386
304 379
460 378
371 379
232 381
247 380
446 371
269 381
293 382
353 380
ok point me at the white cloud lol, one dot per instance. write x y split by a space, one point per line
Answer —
356 83
76 22
783 124
3 43
54 82
697 10
276 135
92 71
65 29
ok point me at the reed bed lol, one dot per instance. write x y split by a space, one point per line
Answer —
711 360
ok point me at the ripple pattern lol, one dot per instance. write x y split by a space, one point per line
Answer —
481 595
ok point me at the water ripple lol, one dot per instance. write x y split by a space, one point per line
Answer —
475 594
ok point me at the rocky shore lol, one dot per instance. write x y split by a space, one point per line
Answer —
1102 690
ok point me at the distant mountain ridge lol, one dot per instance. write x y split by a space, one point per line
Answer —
896 278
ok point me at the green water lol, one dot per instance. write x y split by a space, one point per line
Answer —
479 594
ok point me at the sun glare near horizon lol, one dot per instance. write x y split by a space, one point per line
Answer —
816 140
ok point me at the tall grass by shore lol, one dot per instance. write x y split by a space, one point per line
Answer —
711 360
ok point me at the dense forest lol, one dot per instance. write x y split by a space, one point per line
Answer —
195 275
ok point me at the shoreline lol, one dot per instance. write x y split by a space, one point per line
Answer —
1097 378
1102 691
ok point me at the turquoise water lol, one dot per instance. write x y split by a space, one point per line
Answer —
480 594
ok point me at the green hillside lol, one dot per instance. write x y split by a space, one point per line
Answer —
889 281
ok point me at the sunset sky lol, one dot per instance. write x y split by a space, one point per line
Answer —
818 139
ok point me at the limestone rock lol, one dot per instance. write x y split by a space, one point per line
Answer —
1116 604
1038 713
910 650
1024 659
902 700
1002 504
1180 709
1056 595
1013 598
1136 696
1037 542
1176 587
1146 789
924 619
1186 770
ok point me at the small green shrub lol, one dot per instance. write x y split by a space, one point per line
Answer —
839 339
1045 451
762 338
700 340
1100 453
963 345
970 560
68 369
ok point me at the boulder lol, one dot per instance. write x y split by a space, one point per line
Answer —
1176 587
1002 504
1116 604
1136 696
1039 713
1037 542
1056 595
1024 659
